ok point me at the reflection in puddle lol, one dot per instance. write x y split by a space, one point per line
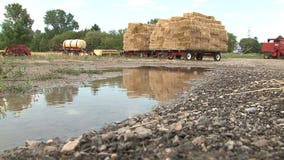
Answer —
161 83
60 95
69 111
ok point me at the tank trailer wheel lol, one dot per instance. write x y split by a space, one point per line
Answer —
217 57
189 56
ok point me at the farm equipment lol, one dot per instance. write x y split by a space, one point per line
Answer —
17 50
191 36
74 46
274 46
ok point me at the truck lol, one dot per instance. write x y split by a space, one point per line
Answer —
191 36
274 46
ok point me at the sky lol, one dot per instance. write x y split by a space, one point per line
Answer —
244 18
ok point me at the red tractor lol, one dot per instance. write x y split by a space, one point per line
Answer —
17 50
275 46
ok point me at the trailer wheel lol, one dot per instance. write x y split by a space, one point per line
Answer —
189 56
217 57
199 57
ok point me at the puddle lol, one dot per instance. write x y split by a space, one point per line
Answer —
70 111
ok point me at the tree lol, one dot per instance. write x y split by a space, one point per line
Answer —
35 44
93 40
57 22
17 25
232 42
153 21
250 45
95 27
56 42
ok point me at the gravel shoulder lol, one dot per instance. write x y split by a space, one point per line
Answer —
236 112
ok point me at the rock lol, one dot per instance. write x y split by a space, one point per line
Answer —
49 149
108 135
114 156
261 143
128 135
176 139
198 140
32 144
50 141
230 145
251 110
176 126
163 129
142 132
102 148
70 146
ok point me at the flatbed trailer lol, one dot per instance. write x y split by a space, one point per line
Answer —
171 54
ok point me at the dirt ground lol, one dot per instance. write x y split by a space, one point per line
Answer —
236 112
41 67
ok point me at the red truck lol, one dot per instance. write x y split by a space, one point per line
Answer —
275 46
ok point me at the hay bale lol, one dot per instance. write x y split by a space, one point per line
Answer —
137 36
192 31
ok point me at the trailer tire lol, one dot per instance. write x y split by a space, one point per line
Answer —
189 56
217 57
199 57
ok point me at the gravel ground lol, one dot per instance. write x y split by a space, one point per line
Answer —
237 112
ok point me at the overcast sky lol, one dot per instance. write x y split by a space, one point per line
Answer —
257 18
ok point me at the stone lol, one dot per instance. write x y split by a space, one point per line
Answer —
198 140
32 144
176 126
108 135
230 145
70 146
261 143
142 132
251 110
102 148
49 149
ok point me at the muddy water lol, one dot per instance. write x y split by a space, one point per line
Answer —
69 111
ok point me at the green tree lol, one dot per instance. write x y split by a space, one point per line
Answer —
250 45
93 40
57 22
17 25
43 44
35 44
232 42
95 27
153 21
56 42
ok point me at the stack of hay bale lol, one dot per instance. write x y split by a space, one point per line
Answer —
192 31
137 37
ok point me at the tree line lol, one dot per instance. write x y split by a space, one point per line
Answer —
59 26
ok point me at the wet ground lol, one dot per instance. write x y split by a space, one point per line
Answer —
58 111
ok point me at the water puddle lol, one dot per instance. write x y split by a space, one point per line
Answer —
70 111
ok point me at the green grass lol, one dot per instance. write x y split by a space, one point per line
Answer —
248 56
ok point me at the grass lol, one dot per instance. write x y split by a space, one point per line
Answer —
75 72
241 55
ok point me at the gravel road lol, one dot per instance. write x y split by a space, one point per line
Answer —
236 112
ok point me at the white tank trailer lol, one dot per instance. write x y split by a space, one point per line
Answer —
74 46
